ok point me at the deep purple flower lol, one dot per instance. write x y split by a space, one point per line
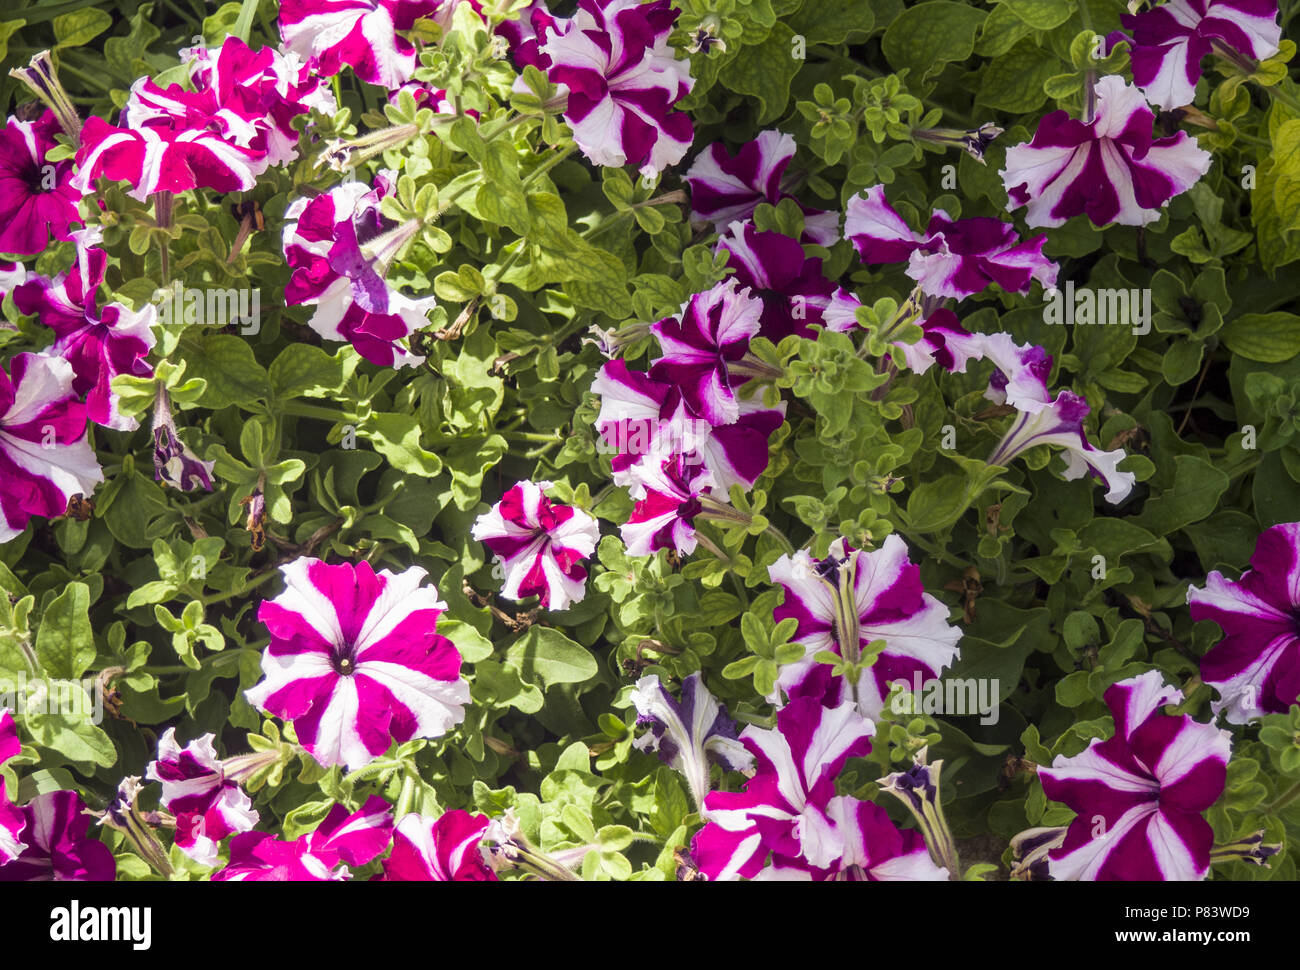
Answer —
728 188
441 850
1171 40
1256 666
954 258
854 597
540 545
1140 795
58 846
37 199
1109 168
355 661
623 80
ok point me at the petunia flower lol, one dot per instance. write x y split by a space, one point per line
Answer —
690 733
59 846
99 343
1020 372
795 292
1171 40
45 457
645 422
361 34
1256 666
525 34
785 808
37 199
728 188
664 518
944 341
854 598
173 462
954 258
343 839
875 850
1061 424
441 850
1140 795
355 661
540 544
208 803
1110 168
623 80
12 819
338 247
711 335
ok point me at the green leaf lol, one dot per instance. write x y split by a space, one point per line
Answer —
1269 338
926 37
833 21
1014 81
65 642
80 27
227 364
397 438
301 369
1041 14
764 72
547 655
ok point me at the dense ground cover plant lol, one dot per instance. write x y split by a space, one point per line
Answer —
779 439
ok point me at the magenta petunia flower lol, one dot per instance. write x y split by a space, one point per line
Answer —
1171 40
338 246
857 597
944 341
12 819
343 839
1256 666
59 846
361 34
1020 372
728 188
795 292
355 661
645 422
688 734
37 198
1140 795
45 457
664 517
525 35
1061 424
540 545
875 850
99 343
208 804
954 258
441 850
1109 168
785 810
713 331
622 79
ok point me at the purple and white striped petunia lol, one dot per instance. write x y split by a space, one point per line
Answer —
355 661
1256 666
1109 168
1061 424
525 35
773 267
784 810
323 855
208 804
45 457
361 34
954 258
338 246
1139 795
664 518
728 188
690 733
712 332
875 850
944 341
59 846
540 545
1171 40
99 343
644 422
623 79
441 850
1020 372
857 597
12 820
36 197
